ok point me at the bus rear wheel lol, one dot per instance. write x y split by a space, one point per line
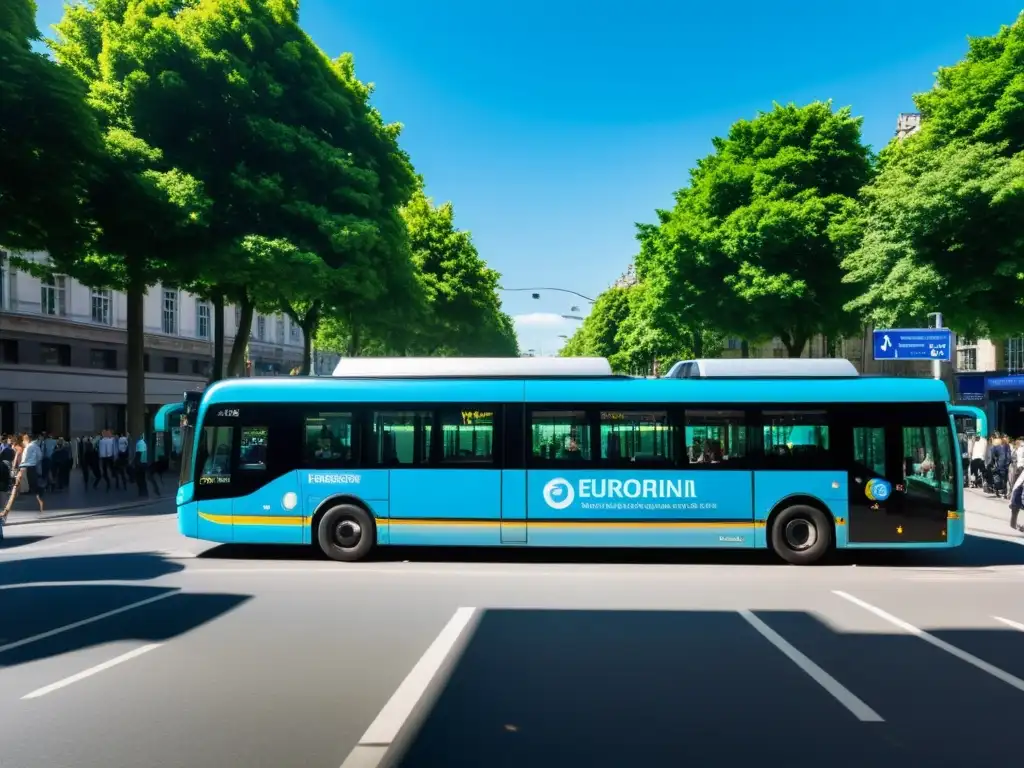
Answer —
801 535
346 533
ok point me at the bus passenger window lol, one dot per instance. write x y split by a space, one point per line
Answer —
715 437
869 448
928 464
327 440
797 437
637 436
467 435
401 437
560 435
253 453
215 455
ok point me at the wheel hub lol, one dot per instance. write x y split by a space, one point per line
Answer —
801 534
347 533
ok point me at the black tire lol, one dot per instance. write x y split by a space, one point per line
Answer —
347 533
801 535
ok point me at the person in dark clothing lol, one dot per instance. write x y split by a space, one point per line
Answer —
999 462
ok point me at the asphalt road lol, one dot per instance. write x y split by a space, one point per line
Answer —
122 644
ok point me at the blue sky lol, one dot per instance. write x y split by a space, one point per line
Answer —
554 126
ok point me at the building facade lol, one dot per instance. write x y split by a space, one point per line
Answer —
63 350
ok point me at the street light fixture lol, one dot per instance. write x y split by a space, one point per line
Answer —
535 292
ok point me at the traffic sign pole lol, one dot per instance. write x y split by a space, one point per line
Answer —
937 364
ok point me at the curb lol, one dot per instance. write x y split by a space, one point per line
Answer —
84 512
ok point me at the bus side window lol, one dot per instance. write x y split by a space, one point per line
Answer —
215 453
467 435
715 438
630 437
929 472
402 437
253 449
869 449
327 439
798 438
560 435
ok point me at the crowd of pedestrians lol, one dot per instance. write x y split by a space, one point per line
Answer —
996 466
47 463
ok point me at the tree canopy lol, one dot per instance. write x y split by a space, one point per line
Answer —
940 228
49 142
750 246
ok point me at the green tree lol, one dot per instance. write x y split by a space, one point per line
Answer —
303 175
149 214
48 143
940 226
598 334
750 245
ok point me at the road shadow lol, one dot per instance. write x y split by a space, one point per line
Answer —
976 552
552 688
13 542
47 611
128 566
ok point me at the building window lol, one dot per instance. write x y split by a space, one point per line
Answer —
201 367
261 328
9 351
203 320
293 330
1013 352
105 359
967 359
55 354
53 295
279 330
170 313
145 363
238 316
170 365
3 279
102 301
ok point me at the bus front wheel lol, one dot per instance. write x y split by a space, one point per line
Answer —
801 535
346 533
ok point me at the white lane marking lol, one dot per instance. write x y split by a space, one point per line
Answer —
1010 623
91 671
952 650
839 692
389 720
83 622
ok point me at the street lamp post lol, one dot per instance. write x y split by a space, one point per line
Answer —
536 292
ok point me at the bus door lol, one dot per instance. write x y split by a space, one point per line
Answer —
265 509
903 480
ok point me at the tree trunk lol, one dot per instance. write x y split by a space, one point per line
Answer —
136 385
354 341
218 338
309 323
236 364
744 348
794 344
698 343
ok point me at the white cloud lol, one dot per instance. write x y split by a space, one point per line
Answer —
539 320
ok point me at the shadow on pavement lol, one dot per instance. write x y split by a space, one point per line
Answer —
43 617
555 688
976 552
129 566
13 542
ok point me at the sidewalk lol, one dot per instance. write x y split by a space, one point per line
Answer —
987 514
79 500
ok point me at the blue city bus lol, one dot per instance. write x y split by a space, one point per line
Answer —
546 452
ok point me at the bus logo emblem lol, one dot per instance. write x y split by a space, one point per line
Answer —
877 490
559 493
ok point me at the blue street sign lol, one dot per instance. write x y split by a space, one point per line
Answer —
914 344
